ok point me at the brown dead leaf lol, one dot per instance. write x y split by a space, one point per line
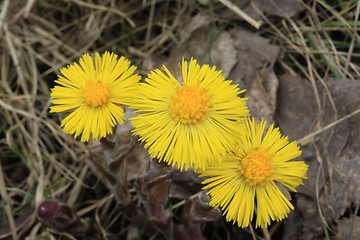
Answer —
296 107
312 226
333 183
262 95
185 184
205 43
254 72
214 49
293 225
152 62
196 22
254 53
280 8
196 213
344 228
296 113
156 61
136 163
343 150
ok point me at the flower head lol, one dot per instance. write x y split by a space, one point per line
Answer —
94 91
188 123
254 176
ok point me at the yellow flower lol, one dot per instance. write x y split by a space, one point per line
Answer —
190 123
254 176
94 91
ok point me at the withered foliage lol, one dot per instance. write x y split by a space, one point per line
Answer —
301 71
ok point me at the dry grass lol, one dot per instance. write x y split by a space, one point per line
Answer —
37 38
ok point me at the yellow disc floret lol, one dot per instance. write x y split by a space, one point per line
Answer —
190 104
95 93
256 167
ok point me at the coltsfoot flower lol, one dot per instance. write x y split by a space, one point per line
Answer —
94 91
188 123
254 176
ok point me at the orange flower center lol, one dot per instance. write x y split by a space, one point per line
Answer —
95 93
190 104
256 167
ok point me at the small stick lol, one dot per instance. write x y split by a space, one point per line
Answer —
241 13
179 204
304 139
